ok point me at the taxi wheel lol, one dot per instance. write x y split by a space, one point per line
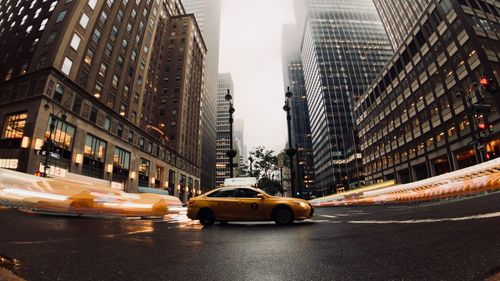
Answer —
206 217
282 216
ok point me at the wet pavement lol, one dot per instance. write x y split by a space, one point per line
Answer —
449 240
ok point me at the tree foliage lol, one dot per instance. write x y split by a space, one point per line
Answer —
264 163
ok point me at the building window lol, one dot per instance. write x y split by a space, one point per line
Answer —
107 124
89 57
119 131
141 143
95 148
130 137
102 69
144 169
97 90
115 80
62 135
66 67
58 93
121 158
126 91
77 105
93 115
96 36
114 32
103 17
92 4
43 24
61 16
51 37
94 156
109 49
123 110
120 61
75 42
13 127
84 20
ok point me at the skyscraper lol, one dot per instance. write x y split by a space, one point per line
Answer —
239 132
422 115
207 13
344 46
223 137
179 79
87 68
399 17
293 77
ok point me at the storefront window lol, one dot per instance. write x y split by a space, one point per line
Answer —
94 156
144 172
14 124
95 148
61 142
121 158
62 135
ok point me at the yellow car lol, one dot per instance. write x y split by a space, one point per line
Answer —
246 204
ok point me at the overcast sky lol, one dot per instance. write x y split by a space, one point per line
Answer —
250 49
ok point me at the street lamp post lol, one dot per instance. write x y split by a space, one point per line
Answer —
231 153
48 144
251 161
290 151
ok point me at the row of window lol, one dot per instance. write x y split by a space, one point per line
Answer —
62 138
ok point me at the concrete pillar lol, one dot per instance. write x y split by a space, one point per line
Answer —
432 168
78 147
110 152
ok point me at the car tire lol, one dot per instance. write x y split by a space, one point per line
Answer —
206 217
282 216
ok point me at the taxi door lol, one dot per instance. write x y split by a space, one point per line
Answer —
224 204
250 207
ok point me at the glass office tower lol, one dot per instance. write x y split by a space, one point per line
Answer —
399 16
344 46
293 77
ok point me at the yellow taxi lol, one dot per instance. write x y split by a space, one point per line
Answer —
246 204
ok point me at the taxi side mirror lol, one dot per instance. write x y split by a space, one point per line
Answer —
261 196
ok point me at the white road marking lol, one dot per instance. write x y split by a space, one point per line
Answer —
328 216
475 217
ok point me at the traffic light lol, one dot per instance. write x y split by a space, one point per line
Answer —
484 81
485 127
490 155
489 84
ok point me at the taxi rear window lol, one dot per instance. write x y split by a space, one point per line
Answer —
246 193
222 193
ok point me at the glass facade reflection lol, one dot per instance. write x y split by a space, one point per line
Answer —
399 17
344 46
293 77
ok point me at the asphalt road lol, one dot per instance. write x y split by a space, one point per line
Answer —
451 240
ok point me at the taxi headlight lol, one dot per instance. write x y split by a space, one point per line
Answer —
302 204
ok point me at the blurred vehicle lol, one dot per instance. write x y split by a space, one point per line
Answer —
238 203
